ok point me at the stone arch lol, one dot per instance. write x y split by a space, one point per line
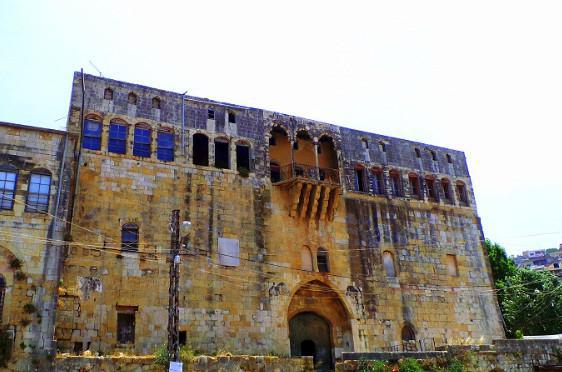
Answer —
315 307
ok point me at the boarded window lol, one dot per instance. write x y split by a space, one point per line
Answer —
222 150
322 260
242 157
165 143
229 252
388 263
130 237
377 183
91 136
452 268
117 138
143 141
126 325
7 188
38 193
360 184
200 149
306 259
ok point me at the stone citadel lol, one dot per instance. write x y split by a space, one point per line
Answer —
308 238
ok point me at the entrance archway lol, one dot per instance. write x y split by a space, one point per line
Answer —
319 324
310 336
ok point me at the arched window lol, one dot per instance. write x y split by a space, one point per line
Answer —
461 193
130 237
117 137
108 94
408 333
242 157
322 261
279 152
222 153
165 145
156 103
132 99
396 183
377 183
8 179
360 179
2 294
388 263
415 189
200 149
446 187
38 191
327 159
91 135
306 259
143 141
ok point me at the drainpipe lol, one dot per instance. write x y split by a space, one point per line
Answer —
183 122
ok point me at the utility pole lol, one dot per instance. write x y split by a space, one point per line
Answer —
173 306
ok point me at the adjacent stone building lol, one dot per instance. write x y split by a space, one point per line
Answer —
307 239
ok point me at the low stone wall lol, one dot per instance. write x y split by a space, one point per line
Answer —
502 355
199 364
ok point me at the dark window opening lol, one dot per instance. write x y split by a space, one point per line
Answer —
433 155
78 347
449 159
322 261
126 327
182 338
296 145
377 183
165 149
142 142
242 157
408 333
91 136
7 189
130 238
38 193
156 103
231 117
211 114
382 146
395 183
418 153
415 186
117 138
365 143
430 185
222 152
200 149
446 186
360 180
461 192
108 94
132 98
275 172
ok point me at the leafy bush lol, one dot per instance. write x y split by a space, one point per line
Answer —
162 358
373 366
456 366
410 365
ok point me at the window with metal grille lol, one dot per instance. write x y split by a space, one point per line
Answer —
117 138
142 142
38 193
165 150
130 237
322 261
91 136
7 188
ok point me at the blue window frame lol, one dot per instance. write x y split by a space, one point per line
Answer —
91 137
7 189
165 151
117 138
130 237
142 142
38 193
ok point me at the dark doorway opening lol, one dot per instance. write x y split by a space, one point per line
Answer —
310 335
200 149
222 154
308 348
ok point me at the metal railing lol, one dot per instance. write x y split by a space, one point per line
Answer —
295 170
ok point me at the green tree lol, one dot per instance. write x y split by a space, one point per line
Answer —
502 266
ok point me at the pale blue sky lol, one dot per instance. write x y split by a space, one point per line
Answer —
484 77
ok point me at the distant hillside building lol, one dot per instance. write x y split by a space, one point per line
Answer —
308 238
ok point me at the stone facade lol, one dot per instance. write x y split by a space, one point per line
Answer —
31 169
371 238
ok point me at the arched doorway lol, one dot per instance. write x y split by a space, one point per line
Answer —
310 336
319 324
